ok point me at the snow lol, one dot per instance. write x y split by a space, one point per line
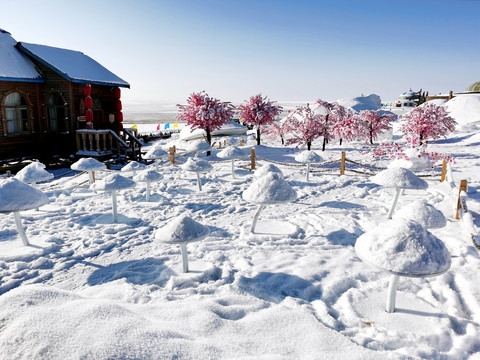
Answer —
231 152
270 189
198 146
399 177
293 290
182 230
33 173
73 65
423 213
232 128
134 166
403 247
196 165
265 169
416 161
465 110
308 157
113 182
148 176
155 153
18 196
359 103
88 164
15 65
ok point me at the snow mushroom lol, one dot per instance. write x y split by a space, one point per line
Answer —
423 213
155 153
308 157
231 153
134 166
148 176
198 146
33 173
90 165
196 166
182 231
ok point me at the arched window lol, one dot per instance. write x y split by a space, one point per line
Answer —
17 113
56 114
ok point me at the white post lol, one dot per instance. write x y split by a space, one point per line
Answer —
148 191
394 204
114 204
199 182
183 249
392 293
21 232
156 164
308 170
255 217
233 171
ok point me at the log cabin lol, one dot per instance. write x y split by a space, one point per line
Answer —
56 101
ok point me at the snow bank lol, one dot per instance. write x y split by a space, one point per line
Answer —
465 109
370 102
232 128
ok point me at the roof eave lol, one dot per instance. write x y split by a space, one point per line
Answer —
102 83
21 79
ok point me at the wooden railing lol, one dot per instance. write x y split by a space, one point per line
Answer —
129 136
107 142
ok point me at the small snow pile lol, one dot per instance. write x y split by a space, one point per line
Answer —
231 152
155 153
148 176
370 102
308 157
134 166
416 161
183 229
423 213
465 110
113 182
400 178
404 247
88 164
198 146
33 173
270 189
15 195
265 169
196 165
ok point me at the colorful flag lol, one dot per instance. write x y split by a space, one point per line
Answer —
167 126
159 127
134 126
175 125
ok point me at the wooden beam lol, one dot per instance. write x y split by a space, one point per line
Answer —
462 187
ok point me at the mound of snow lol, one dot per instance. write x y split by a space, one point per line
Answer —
423 213
196 165
464 109
88 164
33 173
15 195
265 169
359 103
308 157
399 177
270 189
182 230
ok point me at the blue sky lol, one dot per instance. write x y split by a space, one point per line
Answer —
287 50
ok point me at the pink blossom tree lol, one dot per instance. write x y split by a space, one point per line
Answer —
259 111
206 113
372 123
329 114
425 122
345 126
278 128
303 126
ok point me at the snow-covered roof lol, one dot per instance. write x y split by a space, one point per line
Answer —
15 66
74 66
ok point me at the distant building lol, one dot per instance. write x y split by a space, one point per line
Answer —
43 102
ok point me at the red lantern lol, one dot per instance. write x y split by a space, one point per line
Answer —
87 90
89 125
117 93
89 115
120 126
118 105
119 116
88 102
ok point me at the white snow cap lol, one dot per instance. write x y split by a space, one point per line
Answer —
403 247
231 152
196 165
265 169
399 177
148 176
308 157
134 166
270 189
198 146
34 172
182 230
88 164
416 161
423 213
155 153
15 195
359 103
113 182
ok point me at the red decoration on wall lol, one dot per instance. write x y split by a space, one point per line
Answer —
87 90
89 115
120 126
118 105
119 116
88 102
117 93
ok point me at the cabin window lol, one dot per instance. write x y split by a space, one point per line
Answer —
17 114
56 114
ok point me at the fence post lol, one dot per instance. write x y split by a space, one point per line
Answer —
172 155
444 171
252 159
224 143
241 142
462 187
9 173
342 164
219 145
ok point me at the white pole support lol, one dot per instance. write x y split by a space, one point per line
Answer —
255 217
114 205
233 168
183 249
199 182
21 232
148 191
394 203
392 293
156 164
308 170
90 175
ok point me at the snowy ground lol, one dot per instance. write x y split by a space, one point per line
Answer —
90 289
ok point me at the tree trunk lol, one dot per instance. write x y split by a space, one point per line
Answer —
324 143
283 140
309 145
421 137
341 141
209 140
258 134
371 137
